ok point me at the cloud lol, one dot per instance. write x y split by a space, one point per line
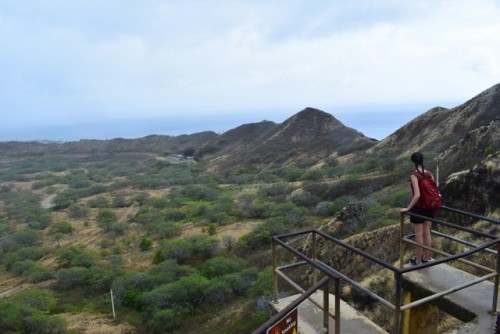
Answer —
90 58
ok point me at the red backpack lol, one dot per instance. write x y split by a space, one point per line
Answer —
430 197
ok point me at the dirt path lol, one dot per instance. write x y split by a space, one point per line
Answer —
87 323
237 230
10 285
47 201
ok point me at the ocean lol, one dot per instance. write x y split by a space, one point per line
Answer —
377 123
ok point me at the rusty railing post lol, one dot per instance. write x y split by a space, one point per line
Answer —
401 237
397 303
497 280
315 271
275 275
326 307
337 305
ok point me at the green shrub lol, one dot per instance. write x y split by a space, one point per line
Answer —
263 286
396 198
145 244
219 266
179 250
205 246
40 299
312 175
289 174
27 314
71 278
325 209
43 324
490 149
39 273
78 210
164 229
386 222
163 321
188 291
331 162
77 256
212 229
64 227
305 163
22 267
26 253
302 198
106 218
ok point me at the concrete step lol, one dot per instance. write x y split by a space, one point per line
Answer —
310 317
472 304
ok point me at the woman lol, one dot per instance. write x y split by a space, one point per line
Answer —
421 226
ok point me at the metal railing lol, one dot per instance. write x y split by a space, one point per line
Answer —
492 247
324 284
279 271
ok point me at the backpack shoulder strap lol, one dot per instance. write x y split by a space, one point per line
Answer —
425 175
419 175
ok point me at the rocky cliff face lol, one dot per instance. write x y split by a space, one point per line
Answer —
477 189
471 148
382 243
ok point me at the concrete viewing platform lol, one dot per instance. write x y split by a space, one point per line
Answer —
471 305
310 316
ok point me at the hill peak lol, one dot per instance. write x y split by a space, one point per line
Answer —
313 113
309 133
313 119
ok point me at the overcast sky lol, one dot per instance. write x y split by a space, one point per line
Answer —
71 62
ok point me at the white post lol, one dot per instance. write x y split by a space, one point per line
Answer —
437 175
113 304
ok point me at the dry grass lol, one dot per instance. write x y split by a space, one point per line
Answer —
237 230
86 323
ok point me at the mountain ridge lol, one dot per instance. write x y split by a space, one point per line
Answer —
473 123
312 134
309 133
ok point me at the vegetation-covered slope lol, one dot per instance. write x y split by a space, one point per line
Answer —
181 241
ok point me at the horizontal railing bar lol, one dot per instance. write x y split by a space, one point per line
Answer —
491 220
448 259
301 290
360 252
358 286
299 254
295 233
458 227
470 263
292 265
446 292
464 242
289 281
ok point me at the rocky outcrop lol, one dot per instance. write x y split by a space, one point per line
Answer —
475 190
471 148
382 243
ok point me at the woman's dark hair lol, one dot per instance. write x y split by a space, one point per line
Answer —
418 159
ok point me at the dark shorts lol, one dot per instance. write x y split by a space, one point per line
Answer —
422 212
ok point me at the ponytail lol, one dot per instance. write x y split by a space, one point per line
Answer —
418 159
